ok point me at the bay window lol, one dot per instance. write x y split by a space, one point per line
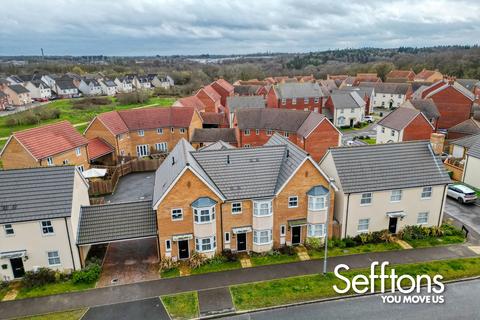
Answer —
262 208
316 230
205 244
317 203
204 215
262 236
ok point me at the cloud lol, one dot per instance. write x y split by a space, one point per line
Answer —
148 27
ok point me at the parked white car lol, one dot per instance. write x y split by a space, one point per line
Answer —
369 119
461 193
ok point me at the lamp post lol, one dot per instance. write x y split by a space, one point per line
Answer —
330 189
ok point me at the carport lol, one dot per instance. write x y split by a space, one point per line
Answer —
130 230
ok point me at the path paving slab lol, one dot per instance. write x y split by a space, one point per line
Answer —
215 301
148 309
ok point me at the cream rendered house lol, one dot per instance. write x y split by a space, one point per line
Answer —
39 212
386 186
471 170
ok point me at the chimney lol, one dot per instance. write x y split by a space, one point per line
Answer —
437 140
228 159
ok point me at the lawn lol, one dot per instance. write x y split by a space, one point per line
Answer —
217 266
53 288
3 291
305 288
182 306
262 260
77 115
348 129
370 247
369 140
171 273
66 315
432 241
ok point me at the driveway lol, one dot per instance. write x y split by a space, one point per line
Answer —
130 261
467 214
133 187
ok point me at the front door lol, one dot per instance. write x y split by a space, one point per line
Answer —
183 249
296 231
17 267
392 225
241 241
351 123
142 150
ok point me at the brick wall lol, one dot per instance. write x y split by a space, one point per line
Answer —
418 129
453 106
322 138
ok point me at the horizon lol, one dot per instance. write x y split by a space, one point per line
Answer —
145 28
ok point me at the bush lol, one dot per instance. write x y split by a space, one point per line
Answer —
38 278
450 230
139 96
3 285
419 232
196 260
313 243
89 274
230 255
288 250
168 264
90 103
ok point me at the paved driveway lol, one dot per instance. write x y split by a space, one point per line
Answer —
130 261
467 214
133 187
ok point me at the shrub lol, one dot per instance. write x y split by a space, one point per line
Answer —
139 96
349 242
168 264
89 274
3 285
451 230
288 250
196 260
230 255
313 243
38 278
419 232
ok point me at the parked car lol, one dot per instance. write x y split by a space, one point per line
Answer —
9 108
368 119
461 193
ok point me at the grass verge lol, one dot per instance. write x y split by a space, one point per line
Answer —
369 140
262 260
182 306
216 267
297 289
370 247
171 273
66 315
53 288
431 242
3 291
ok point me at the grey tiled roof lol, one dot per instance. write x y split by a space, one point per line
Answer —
469 126
474 151
246 90
243 173
299 90
219 145
119 221
399 118
467 141
37 193
18 89
241 102
346 99
388 166
387 88
213 135
427 106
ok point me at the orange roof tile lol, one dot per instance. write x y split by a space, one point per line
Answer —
98 147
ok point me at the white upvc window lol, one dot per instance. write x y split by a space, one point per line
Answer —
47 227
50 161
366 198
352 110
317 203
247 132
262 236
182 130
247 145
422 218
81 168
120 136
269 132
143 150
177 214
363 225
383 129
227 237
8 228
141 133
283 230
294 101
160 130
78 152
284 101
426 192
262 208
392 133
65 162
306 100
53 258
316 230
342 111
168 245
236 207
161 146
293 202
172 129
204 215
257 132
286 134
317 100
341 120
205 244
396 196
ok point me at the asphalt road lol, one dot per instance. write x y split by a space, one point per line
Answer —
148 309
461 302
467 214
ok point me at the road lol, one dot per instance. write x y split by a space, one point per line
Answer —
369 130
461 302
467 214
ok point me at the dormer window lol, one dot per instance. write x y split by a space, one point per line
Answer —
204 210
317 198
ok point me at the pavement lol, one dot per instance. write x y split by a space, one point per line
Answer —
467 214
133 187
155 288
215 301
461 302
369 130
148 309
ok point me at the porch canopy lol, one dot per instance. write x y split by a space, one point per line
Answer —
13 254
116 222
396 214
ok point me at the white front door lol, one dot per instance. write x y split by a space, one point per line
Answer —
142 150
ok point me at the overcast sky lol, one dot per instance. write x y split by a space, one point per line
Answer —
165 27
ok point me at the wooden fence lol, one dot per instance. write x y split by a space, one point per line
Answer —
108 184
456 168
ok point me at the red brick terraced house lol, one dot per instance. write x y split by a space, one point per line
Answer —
299 96
224 89
311 131
454 102
400 76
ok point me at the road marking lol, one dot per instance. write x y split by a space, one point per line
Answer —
475 249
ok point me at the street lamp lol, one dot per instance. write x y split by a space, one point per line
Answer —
330 185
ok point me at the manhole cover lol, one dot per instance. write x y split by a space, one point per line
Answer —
114 280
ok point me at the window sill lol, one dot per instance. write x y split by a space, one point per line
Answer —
292 207
180 219
235 213
204 251
263 216
430 198
365 204
263 244
205 222
317 210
